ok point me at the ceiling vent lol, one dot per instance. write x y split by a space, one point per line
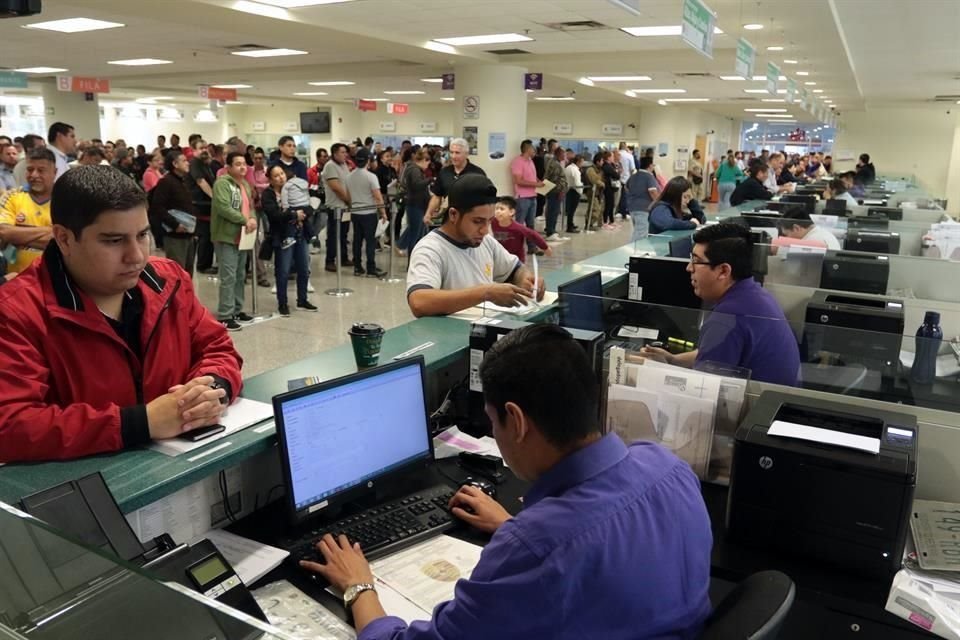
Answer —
576 25
508 52
247 47
694 75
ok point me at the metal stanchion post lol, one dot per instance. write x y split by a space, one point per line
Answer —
339 291
390 278
253 267
590 202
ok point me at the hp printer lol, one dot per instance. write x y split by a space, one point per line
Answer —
844 506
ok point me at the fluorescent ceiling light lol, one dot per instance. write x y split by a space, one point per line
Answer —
803 73
311 93
763 91
618 78
772 100
232 86
771 110
261 9
772 115
658 90
432 80
232 102
296 4
153 100
818 91
74 25
828 101
786 122
686 100
664 30
374 99
332 83
40 70
732 78
438 47
554 98
139 62
269 53
403 93
753 26
448 99
774 48
491 38
789 62
764 78
810 84
587 82
662 102
529 90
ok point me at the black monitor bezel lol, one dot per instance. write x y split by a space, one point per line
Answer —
337 500
562 293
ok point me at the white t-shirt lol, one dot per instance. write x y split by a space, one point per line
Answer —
360 185
823 235
332 170
574 177
627 165
439 262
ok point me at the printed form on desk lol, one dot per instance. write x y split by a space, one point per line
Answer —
451 442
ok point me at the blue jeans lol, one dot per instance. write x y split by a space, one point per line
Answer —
553 212
527 214
232 268
415 227
725 189
298 257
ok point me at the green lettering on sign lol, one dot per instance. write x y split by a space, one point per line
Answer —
773 74
697 26
13 80
746 56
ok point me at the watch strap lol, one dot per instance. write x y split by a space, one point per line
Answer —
353 592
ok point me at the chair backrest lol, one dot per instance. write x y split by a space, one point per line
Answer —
754 610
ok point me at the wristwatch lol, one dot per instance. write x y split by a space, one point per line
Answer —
352 592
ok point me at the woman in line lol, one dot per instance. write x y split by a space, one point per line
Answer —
296 255
611 183
728 175
667 211
416 187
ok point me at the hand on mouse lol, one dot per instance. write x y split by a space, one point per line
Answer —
476 508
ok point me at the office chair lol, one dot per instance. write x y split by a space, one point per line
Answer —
754 610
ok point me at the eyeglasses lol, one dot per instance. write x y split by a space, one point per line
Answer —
697 262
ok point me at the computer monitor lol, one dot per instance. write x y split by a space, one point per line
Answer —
664 297
835 207
581 303
891 213
344 439
681 247
808 201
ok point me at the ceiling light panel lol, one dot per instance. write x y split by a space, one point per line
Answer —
40 70
618 78
74 25
332 83
492 38
269 53
232 86
139 62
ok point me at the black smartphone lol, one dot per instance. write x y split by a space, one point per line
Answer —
202 433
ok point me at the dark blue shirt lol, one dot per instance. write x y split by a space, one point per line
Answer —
747 328
299 168
662 219
613 542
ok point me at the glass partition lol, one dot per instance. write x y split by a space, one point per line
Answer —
53 587
675 372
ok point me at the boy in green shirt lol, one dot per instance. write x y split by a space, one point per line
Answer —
231 215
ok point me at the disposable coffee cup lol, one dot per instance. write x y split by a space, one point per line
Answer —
366 338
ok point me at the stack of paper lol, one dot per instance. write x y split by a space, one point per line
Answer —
250 559
298 615
241 414
453 441
946 237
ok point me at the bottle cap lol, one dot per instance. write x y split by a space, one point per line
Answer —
931 317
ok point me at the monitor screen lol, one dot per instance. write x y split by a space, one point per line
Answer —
671 305
338 437
315 122
681 247
581 303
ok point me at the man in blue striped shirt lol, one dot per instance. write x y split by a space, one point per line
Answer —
613 541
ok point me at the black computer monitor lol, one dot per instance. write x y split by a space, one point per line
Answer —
350 437
661 296
581 303
808 201
891 213
835 207
681 247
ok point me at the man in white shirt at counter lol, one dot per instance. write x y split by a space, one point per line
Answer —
460 265
799 226
776 166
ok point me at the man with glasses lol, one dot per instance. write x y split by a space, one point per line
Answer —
745 327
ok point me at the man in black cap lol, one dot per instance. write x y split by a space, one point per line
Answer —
460 265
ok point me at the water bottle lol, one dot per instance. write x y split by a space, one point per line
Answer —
929 337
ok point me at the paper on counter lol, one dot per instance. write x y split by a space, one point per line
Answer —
250 559
298 615
452 441
531 306
785 429
241 414
427 573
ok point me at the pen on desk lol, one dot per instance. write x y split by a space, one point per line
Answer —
536 277
410 352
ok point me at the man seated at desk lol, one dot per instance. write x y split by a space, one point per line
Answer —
746 327
613 540
753 187
105 348
460 264
800 229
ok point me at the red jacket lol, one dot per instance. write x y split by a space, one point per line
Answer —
70 386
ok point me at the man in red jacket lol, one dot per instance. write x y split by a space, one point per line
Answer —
105 348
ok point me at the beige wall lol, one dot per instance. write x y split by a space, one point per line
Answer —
679 126
915 141
409 124
587 119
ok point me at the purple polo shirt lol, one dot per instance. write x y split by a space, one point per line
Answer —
747 328
613 542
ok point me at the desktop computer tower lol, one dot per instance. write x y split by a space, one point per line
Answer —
875 222
872 241
853 271
485 333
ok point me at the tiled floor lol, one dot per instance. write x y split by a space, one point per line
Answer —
278 341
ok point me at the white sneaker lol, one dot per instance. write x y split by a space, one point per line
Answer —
273 289
553 237
310 288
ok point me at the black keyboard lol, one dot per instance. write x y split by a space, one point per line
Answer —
386 528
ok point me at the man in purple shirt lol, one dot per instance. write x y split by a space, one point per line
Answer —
746 327
613 541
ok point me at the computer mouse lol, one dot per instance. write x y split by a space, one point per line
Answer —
481 484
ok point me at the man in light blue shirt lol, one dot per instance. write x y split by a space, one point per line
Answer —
613 541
